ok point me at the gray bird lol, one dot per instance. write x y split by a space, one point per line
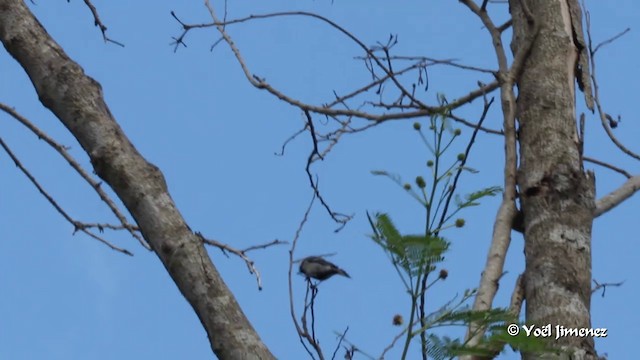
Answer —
319 268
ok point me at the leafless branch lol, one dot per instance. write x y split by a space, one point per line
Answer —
102 226
97 22
483 7
225 248
609 41
78 226
376 82
133 230
617 196
604 120
505 26
264 246
260 83
303 335
339 218
341 338
395 340
608 166
517 297
428 61
603 286
473 126
290 139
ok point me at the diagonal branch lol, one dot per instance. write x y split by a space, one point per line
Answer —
133 230
70 94
76 224
617 196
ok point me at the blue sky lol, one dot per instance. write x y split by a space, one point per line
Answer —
193 114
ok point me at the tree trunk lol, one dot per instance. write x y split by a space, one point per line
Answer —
557 196
77 101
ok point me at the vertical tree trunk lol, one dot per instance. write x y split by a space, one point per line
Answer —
557 196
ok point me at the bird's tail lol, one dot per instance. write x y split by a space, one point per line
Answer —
342 272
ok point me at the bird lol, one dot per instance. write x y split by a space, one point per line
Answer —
320 269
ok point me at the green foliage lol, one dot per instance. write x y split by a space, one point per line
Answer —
440 348
416 256
472 199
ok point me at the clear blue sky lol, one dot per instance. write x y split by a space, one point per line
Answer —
194 115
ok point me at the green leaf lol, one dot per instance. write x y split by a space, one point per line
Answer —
471 199
413 253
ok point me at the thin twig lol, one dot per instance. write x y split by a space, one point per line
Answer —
485 111
339 218
290 139
608 166
76 224
473 125
132 229
341 338
97 22
609 41
242 253
260 83
303 334
596 91
603 286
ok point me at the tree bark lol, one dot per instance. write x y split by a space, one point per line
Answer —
77 101
557 196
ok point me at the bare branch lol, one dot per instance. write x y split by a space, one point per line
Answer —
102 226
395 340
473 126
133 230
260 83
604 120
290 139
609 41
302 333
242 253
339 218
617 196
505 26
608 166
603 286
483 7
341 338
264 246
428 61
76 224
517 297
97 22
377 82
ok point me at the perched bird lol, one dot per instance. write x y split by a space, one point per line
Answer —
319 268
